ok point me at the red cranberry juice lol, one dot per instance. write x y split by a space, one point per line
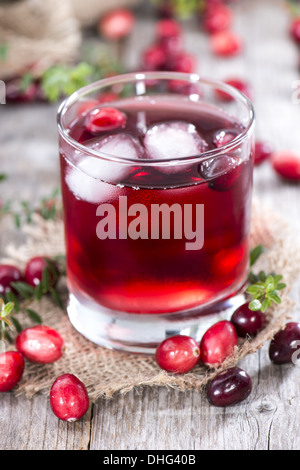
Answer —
150 275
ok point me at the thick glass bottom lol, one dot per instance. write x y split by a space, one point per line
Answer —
142 333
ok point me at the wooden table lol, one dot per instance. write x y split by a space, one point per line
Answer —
160 418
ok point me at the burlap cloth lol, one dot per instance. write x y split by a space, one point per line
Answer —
106 372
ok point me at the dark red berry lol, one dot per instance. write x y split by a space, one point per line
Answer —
225 136
178 354
295 30
167 28
104 119
240 85
69 398
226 43
117 24
154 58
8 274
218 342
262 151
221 172
285 343
287 164
34 270
217 18
185 63
11 369
229 387
40 344
247 322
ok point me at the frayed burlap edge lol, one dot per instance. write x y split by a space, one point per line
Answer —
106 372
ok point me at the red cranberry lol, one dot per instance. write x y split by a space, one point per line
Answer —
34 270
8 274
117 24
69 399
287 165
263 150
40 344
225 136
154 58
185 63
217 18
285 343
167 28
247 322
178 354
226 43
15 93
104 119
295 30
86 106
221 172
218 343
11 370
240 85
229 387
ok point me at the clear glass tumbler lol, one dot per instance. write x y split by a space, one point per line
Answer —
156 174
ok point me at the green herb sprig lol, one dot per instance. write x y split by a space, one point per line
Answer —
264 288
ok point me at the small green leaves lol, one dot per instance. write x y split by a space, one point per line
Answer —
61 80
263 288
255 254
265 291
5 322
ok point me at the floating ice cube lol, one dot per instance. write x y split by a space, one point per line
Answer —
224 136
88 181
119 145
172 140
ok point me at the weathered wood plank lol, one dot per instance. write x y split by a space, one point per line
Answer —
161 418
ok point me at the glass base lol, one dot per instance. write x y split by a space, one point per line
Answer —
143 333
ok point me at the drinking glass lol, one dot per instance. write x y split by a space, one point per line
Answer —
157 210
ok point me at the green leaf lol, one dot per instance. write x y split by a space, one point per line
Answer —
3 177
280 286
33 315
273 295
24 289
16 324
265 304
269 283
256 253
3 50
255 305
56 297
7 309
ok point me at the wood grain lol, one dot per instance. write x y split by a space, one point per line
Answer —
153 418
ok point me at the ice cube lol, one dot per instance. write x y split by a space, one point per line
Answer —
119 145
224 136
88 181
173 140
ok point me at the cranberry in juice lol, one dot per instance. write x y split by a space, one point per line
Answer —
156 275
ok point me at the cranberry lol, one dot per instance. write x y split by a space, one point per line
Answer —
287 164
178 354
11 369
8 274
40 344
240 85
229 387
167 28
217 18
15 93
218 343
85 106
295 30
104 119
221 172
263 150
225 136
185 63
117 24
285 343
226 43
69 399
247 322
34 270
154 58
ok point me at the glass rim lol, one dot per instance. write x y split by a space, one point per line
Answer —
143 76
